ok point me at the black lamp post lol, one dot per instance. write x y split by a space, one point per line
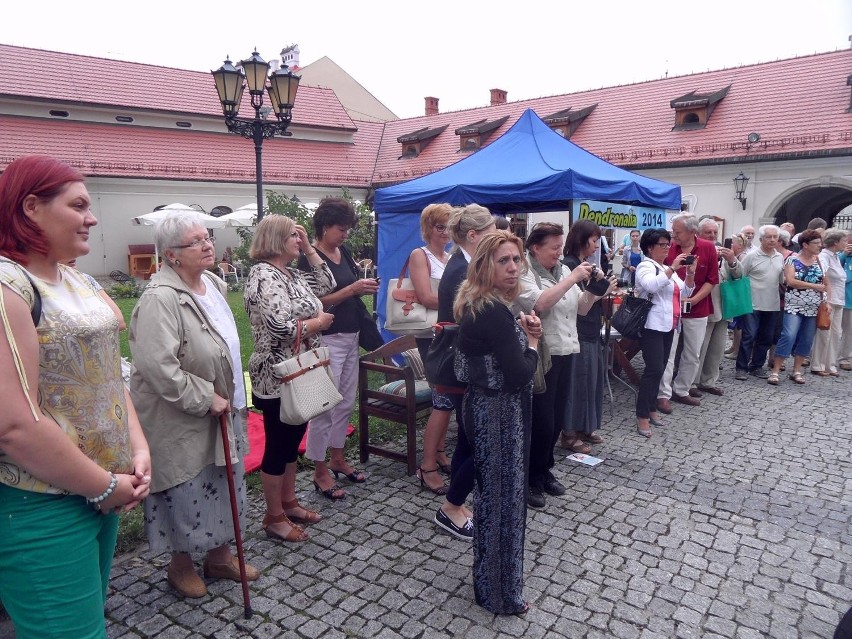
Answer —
740 184
282 87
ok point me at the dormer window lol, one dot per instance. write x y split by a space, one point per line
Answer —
693 110
567 121
473 136
415 142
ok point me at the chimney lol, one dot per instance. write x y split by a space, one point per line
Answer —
498 96
431 106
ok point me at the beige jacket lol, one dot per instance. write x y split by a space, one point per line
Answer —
179 361
559 322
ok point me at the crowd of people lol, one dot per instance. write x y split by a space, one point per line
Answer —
78 446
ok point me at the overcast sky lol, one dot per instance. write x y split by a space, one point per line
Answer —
456 51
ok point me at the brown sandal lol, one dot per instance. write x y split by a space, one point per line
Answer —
310 517
295 534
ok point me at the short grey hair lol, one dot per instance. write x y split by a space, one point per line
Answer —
707 221
689 221
170 231
767 227
833 236
784 237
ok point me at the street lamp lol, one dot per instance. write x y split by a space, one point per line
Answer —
740 184
254 74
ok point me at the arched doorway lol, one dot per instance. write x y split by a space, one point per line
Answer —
813 198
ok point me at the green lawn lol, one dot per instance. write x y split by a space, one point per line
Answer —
131 532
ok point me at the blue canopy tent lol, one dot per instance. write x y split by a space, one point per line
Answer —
529 168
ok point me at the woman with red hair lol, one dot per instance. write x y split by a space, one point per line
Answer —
72 452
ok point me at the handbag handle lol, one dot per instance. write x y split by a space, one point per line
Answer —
405 268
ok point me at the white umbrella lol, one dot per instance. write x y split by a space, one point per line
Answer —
243 216
150 219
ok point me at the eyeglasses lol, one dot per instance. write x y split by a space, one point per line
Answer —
660 244
441 227
196 243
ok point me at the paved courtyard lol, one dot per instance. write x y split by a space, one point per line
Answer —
733 521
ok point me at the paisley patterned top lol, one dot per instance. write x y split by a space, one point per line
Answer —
275 301
803 301
80 384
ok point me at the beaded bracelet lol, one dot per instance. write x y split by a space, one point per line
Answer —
113 482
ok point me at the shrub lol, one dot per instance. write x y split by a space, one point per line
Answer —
125 291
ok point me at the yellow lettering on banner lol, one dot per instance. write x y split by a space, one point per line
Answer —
608 218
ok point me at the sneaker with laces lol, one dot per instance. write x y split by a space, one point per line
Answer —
460 532
741 374
760 373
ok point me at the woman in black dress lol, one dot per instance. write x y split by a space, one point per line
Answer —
496 357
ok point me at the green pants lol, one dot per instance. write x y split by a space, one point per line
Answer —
55 559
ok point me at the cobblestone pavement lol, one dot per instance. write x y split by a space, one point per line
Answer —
733 521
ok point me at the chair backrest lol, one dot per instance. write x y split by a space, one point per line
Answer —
394 347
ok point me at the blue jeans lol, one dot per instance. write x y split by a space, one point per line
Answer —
797 336
758 333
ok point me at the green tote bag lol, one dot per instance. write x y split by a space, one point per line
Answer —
736 298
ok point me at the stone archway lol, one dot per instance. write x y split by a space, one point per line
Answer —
821 197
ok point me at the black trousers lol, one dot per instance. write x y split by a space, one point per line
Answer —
461 477
549 413
656 347
282 440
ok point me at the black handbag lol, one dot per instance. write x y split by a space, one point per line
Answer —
369 337
440 358
629 319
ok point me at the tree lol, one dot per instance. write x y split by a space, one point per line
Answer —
280 204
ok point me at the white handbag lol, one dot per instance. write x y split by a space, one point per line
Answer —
307 386
404 314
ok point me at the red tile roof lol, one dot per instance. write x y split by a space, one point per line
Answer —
139 152
72 78
798 106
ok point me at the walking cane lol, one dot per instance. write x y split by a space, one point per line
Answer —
235 513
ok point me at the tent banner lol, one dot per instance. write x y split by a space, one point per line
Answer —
619 216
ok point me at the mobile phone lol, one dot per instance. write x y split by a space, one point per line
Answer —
331 309
729 242
687 307
689 259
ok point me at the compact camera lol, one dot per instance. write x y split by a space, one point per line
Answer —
689 259
594 274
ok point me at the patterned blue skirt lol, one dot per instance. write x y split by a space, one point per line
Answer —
498 427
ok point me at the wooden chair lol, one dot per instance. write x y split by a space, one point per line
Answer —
401 407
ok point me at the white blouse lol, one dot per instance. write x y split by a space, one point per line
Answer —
654 282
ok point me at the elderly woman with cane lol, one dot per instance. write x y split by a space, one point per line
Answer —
186 374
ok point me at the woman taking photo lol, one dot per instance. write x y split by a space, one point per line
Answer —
186 374
467 226
548 288
585 400
806 284
71 448
662 285
426 267
286 318
333 220
496 357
